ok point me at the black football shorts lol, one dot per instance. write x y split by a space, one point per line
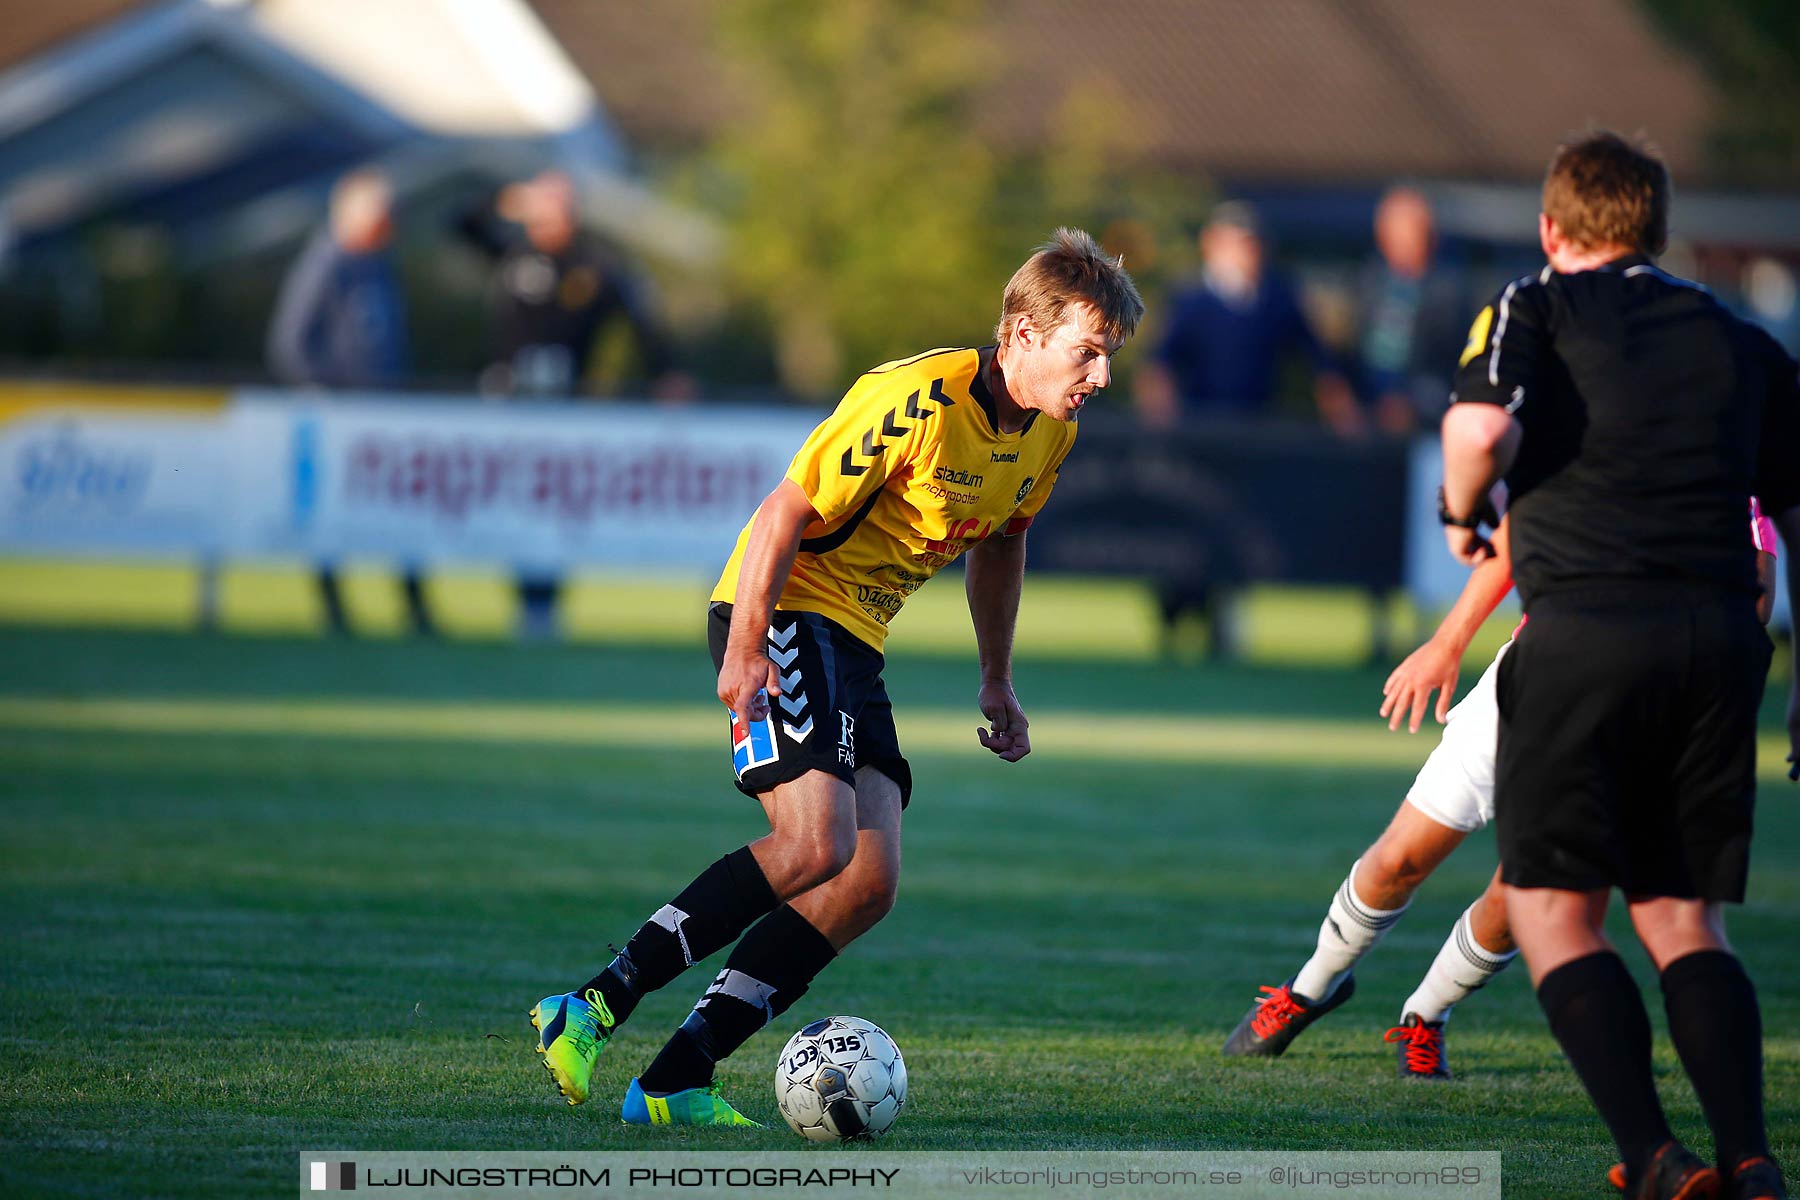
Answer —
833 713
1627 754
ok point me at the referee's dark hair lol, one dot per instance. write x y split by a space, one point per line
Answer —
1604 190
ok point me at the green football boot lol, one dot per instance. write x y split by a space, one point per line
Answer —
695 1106
572 1030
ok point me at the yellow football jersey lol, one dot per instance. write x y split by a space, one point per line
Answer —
906 473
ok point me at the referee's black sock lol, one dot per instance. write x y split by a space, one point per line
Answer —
767 971
705 918
1598 1017
1717 1029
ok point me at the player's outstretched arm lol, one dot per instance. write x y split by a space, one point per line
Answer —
1436 665
995 575
748 678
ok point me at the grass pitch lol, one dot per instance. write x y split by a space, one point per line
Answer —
259 896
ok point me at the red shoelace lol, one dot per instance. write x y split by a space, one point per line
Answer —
1425 1046
1274 1013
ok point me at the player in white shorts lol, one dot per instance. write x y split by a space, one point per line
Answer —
1452 796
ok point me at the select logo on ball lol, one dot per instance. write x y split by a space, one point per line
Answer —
839 1079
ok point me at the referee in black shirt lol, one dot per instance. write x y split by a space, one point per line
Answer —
1633 418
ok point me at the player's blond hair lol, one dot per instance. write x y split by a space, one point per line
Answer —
1606 190
1069 268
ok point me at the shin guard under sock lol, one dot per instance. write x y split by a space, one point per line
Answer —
1598 1018
768 970
1716 1026
706 917
1350 930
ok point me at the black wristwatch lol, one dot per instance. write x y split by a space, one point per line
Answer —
1472 521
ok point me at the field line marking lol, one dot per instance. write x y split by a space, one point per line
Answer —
1110 736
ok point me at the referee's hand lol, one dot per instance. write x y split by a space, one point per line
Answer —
1467 546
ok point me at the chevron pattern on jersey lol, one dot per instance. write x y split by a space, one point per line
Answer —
891 428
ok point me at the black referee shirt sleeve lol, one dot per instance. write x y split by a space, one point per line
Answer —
1778 457
1507 347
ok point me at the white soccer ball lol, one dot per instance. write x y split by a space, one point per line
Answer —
840 1078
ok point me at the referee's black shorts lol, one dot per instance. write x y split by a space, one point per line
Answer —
1627 751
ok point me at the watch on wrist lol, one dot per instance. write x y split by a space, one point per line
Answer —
1473 521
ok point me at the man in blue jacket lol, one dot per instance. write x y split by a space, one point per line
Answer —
340 322
1227 337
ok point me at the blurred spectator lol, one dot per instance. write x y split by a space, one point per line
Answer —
1770 299
1225 338
553 292
340 322
1412 314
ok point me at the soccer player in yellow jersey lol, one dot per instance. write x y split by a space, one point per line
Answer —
924 458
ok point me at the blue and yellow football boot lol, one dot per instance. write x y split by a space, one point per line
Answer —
695 1106
572 1030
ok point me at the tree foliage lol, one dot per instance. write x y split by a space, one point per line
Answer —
1751 51
869 213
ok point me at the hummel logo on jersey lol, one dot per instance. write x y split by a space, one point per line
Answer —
999 457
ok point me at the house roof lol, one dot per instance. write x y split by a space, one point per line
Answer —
482 69
1338 89
1344 89
31 28
214 116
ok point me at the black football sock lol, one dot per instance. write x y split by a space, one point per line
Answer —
1598 1017
705 918
1716 1026
769 970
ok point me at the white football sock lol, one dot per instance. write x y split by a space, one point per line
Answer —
1461 966
1351 928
